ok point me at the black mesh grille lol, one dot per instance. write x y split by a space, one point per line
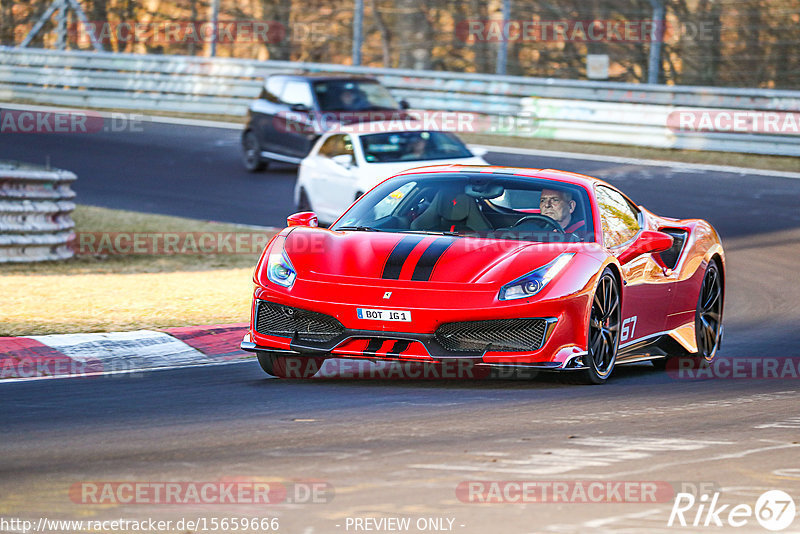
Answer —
278 320
503 335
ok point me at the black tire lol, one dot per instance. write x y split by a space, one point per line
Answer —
603 340
251 153
289 366
707 318
708 314
303 204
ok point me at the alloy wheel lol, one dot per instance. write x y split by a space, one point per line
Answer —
708 318
604 327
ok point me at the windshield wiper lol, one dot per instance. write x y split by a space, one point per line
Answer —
360 228
436 232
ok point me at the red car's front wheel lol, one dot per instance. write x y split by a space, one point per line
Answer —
603 340
289 366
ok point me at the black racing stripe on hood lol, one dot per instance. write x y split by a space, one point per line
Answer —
399 255
427 261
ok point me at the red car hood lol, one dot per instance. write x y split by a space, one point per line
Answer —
416 257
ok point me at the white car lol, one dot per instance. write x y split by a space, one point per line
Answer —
348 162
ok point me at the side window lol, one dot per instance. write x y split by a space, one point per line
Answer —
336 145
297 92
272 89
620 219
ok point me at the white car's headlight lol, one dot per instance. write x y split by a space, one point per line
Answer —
280 270
534 281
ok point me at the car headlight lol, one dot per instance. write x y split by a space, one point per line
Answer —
534 281
280 270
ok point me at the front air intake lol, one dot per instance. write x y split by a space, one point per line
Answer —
284 321
502 335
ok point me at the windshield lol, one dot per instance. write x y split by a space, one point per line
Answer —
473 204
392 147
353 95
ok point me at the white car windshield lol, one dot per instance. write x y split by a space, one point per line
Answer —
353 95
392 147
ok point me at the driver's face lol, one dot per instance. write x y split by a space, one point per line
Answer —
348 97
553 205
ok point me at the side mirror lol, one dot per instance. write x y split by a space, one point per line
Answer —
345 160
304 218
404 104
648 241
299 107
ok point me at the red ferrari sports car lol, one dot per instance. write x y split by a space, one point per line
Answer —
495 266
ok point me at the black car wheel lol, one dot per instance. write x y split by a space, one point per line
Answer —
251 153
303 204
707 319
603 342
289 366
708 315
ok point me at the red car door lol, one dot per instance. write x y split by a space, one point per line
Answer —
647 291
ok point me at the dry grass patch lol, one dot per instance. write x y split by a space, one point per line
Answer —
104 293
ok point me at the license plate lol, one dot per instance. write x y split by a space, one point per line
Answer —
384 315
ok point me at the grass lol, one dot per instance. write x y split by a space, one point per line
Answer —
111 292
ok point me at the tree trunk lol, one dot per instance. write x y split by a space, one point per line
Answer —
7 23
386 36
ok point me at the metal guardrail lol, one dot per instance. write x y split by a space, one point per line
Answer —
35 208
606 112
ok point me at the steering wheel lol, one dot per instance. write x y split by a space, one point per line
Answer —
542 218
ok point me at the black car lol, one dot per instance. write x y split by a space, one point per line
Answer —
292 111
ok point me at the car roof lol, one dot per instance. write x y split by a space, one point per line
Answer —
324 76
547 174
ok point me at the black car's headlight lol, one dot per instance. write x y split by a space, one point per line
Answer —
534 281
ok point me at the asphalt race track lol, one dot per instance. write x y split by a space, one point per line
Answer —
390 448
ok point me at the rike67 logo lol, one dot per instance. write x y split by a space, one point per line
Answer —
774 510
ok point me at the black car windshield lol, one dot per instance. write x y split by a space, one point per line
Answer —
391 147
475 204
353 95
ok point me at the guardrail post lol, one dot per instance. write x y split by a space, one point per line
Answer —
502 50
358 31
214 29
656 37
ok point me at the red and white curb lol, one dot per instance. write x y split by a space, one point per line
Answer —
75 355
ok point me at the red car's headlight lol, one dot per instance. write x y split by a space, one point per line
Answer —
534 281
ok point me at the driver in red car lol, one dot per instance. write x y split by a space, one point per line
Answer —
559 206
